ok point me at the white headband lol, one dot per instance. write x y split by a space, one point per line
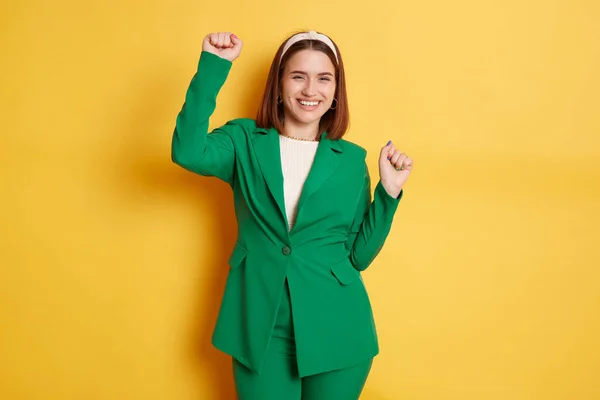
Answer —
310 35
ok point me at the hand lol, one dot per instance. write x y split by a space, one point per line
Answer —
223 44
394 169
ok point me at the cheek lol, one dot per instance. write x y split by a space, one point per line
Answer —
290 89
329 92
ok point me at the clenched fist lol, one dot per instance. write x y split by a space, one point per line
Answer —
394 169
223 44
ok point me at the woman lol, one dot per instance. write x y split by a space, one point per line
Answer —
295 315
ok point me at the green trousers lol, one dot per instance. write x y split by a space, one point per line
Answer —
279 379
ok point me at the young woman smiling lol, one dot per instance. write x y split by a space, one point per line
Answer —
295 315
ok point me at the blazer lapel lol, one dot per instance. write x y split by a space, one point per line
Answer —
327 159
266 147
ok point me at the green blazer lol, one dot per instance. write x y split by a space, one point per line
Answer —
339 230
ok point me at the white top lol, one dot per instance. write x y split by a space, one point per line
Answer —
297 157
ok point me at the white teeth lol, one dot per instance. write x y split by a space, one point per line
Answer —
309 103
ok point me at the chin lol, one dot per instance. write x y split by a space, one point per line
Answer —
307 121
307 118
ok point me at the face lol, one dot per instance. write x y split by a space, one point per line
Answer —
307 86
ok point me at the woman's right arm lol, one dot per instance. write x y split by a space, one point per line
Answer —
193 148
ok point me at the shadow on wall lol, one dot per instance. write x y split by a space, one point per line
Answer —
145 176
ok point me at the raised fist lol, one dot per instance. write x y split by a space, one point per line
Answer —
223 44
394 169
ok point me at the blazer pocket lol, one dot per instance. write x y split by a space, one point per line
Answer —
237 256
345 272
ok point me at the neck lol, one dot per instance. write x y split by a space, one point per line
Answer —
302 131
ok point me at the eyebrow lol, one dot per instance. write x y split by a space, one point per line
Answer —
304 73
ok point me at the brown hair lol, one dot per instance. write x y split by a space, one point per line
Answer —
270 114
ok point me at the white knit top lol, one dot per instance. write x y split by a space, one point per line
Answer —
297 157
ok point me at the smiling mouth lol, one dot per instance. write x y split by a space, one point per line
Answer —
308 105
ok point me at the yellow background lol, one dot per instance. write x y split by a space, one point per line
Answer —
113 259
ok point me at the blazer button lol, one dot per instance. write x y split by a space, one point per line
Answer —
286 250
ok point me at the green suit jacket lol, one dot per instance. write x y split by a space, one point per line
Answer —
339 230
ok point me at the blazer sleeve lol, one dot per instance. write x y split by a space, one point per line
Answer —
193 147
372 223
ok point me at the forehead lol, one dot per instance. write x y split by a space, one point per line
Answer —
310 61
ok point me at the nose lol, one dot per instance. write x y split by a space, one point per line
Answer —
309 88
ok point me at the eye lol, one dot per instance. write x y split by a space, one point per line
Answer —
297 77
326 78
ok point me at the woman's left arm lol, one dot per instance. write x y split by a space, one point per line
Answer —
374 216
